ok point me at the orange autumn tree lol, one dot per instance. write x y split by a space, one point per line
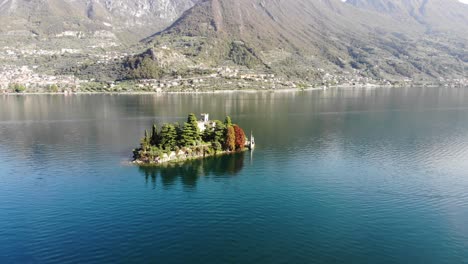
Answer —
230 140
240 137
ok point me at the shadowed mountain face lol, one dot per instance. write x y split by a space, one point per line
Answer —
303 35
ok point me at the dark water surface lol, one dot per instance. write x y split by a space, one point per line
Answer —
338 176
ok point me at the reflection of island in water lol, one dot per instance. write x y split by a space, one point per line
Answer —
189 172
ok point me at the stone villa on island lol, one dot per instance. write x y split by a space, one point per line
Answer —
205 121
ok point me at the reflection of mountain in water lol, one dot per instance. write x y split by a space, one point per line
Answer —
189 172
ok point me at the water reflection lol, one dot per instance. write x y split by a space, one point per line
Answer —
190 172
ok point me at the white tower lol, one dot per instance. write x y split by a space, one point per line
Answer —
205 117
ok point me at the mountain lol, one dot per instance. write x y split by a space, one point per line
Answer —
306 40
59 37
303 37
50 17
435 15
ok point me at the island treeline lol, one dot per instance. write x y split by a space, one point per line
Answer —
193 139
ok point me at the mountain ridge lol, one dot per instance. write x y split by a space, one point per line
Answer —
436 15
305 40
326 33
49 17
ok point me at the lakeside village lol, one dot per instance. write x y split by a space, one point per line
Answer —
26 80
195 139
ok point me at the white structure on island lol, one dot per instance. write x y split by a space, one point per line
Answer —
250 143
205 122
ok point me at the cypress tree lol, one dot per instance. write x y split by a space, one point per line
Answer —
230 140
145 141
227 121
155 136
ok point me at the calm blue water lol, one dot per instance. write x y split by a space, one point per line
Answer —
338 176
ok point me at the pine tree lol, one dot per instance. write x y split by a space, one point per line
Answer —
187 135
191 132
208 134
192 118
168 137
219 131
179 130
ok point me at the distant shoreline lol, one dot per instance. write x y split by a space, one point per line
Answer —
230 91
169 92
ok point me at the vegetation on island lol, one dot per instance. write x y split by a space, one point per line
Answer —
175 142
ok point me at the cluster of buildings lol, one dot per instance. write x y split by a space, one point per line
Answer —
462 82
355 78
221 78
10 75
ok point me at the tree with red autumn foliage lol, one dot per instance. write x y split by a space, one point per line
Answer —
240 137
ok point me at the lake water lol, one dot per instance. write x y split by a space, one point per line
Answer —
338 176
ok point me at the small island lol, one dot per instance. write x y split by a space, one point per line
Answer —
194 139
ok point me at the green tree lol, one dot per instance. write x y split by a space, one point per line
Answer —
208 134
230 139
179 130
192 119
216 146
155 136
168 137
191 132
146 141
227 121
219 131
187 135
